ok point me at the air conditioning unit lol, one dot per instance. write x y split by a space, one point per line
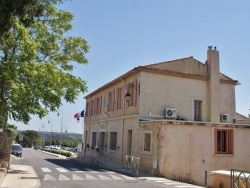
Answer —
224 117
171 113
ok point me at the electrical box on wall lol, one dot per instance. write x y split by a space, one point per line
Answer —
171 113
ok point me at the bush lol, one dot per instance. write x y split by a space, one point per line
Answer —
64 153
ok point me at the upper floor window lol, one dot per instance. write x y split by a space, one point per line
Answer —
197 110
119 98
111 102
133 89
223 141
98 105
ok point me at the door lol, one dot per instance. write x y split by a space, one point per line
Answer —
129 142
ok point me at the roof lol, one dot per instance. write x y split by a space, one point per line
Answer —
185 67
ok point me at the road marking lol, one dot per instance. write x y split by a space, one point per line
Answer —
45 170
101 177
89 177
152 178
61 170
107 171
116 177
128 178
48 177
172 183
186 186
75 177
63 178
91 170
76 170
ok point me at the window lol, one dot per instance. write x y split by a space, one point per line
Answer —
197 110
94 137
111 101
147 141
133 92
119 98
223 141
113 141
99 102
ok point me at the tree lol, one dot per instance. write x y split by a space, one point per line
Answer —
14 131
30 138
37 59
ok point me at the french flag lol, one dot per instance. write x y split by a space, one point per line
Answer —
77 115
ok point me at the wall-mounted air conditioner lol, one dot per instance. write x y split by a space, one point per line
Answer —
171 113
224 117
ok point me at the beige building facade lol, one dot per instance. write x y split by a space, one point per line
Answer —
177 116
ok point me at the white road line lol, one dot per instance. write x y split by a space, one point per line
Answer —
63 178
116 177
163 181
107 171
48 177
128 178
91 170
187 186
61 170
152 178
101 177
75 170
45 170
172 183
89 177
75 177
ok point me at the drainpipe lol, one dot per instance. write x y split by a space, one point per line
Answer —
124 105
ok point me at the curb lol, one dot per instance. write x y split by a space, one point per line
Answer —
3 172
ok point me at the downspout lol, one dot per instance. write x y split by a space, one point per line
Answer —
124 105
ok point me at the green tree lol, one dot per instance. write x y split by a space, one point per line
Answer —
30 138
14 131
37 57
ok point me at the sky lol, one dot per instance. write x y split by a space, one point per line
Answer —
124 34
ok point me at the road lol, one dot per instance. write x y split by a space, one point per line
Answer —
54 172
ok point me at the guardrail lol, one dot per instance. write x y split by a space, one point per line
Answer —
240 179
132 163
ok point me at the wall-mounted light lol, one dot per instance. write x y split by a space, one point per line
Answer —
128 95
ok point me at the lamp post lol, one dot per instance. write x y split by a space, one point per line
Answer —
128 95
50 122
58 114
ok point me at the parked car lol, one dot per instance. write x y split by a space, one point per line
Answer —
37 147
17 150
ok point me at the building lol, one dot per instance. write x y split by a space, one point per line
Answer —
178 117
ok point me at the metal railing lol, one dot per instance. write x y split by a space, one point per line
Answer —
132 163
240 179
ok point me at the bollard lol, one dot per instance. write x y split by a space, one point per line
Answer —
205 178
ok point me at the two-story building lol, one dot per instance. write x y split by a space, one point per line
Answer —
179 117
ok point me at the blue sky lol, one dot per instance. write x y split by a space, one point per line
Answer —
124 34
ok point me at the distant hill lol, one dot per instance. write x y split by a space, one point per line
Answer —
57 136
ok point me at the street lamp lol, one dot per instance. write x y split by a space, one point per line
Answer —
50 122
58 114
128 95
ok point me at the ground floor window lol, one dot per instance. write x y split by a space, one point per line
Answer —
147 141
224 141
113 141
94 137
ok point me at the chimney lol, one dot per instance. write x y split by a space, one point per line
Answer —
213 68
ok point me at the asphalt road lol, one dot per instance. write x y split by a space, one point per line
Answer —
54 172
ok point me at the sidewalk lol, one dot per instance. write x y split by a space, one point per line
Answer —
20 176
109 165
